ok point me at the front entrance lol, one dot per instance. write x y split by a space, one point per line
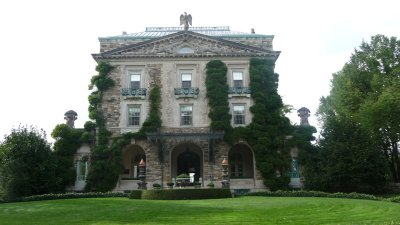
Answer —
189 163
131 158
187 159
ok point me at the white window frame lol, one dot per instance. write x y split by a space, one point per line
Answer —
186 79
183 114
236 114
235 81
138 82
134 118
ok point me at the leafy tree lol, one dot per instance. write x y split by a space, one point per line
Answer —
68 140
364 104
27 165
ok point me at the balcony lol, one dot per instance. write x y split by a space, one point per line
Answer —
134 93
239 92
191 92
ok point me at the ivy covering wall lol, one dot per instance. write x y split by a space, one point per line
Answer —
268 130
106 157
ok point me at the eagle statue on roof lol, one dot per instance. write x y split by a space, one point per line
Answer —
186 20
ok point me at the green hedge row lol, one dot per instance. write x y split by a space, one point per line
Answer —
394 199
70 196
181 194
352 195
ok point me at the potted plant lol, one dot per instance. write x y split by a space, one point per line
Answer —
210 185
170 185
157 186
197 184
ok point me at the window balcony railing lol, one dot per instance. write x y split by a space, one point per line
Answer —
239 91
134 92
191 92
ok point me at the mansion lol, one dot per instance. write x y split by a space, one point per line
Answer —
174 59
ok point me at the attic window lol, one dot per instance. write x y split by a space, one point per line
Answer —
185 50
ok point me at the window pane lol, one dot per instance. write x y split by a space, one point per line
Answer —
135 81
186 76
135 77
134 115
186 114
237 75
238 109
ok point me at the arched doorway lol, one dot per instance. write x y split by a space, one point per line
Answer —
131 158
241 162
187 158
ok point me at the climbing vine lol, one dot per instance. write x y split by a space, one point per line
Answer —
267 132
106 156
217 89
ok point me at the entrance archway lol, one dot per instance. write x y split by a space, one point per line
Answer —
187 158
241 162
131 158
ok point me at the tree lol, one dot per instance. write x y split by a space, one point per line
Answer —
364 104
68 140
27 165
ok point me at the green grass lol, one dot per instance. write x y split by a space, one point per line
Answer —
244 210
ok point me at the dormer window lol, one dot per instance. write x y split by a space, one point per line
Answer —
185 50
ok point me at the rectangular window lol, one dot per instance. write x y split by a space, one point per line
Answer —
135 80
237 78
186 114
81 170
186 80
134 115
239 114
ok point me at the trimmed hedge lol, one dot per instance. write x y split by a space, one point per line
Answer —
70 196
320 194
181 194
394 199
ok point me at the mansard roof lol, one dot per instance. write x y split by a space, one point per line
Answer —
156 32
202 45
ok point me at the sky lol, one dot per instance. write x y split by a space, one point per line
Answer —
46 46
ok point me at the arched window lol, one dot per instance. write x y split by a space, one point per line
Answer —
236 165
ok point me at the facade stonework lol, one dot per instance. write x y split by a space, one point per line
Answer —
175 60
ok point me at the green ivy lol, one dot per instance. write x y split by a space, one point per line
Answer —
106 157
68 140
269 128
217 89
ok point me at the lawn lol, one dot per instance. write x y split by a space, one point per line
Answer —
244 210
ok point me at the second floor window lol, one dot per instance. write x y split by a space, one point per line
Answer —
237 78
239 114
135 80
134 115
186 80
186 114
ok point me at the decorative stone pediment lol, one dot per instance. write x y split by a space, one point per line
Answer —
186 44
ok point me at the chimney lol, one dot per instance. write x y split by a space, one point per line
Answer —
252 31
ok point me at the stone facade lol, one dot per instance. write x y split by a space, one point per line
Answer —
176 61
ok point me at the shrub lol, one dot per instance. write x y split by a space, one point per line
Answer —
183 175
320 194
70 195
135 194
210 185
394 199
181 194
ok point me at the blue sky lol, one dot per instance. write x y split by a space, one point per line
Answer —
46 46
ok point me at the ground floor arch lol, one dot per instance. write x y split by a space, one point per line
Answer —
132 155
241 162
187 158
